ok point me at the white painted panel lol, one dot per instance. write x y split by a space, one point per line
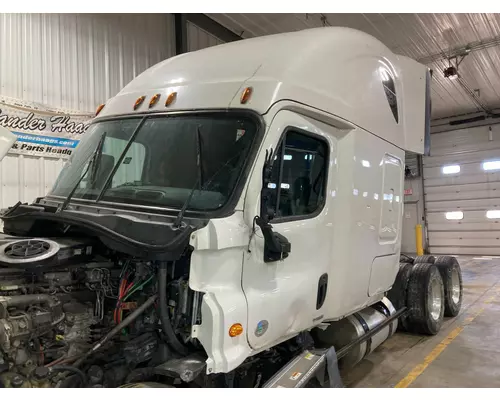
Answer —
473 187
465 140
464 158
474 251
472 190
479 235
463 194
453 205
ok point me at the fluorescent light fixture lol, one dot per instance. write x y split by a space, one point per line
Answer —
287 157
451 169
491 165
365 163
454 215
493 214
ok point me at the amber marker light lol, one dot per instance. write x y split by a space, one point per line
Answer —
154 100
245 96
99 109
138 102
170 99
235 330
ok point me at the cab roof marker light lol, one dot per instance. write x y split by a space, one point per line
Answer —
138 102
245 96
170 99
154 100
99 109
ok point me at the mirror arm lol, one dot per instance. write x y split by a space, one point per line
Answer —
276 246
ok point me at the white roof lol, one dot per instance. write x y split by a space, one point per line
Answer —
333 69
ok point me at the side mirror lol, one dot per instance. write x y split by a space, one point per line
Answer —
7 139
276 246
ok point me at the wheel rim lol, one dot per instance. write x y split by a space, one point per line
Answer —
436 300
455 286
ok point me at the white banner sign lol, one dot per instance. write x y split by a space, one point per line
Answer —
40 130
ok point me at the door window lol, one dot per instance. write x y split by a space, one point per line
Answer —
299 176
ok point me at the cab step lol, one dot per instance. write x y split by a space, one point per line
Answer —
317 363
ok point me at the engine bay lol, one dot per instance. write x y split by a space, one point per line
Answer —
61 296
103 300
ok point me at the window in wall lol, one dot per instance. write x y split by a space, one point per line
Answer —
454 215
390 90
299 175
451 169
493 214
491 165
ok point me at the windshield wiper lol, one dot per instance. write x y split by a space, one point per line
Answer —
92 163
97 159
198 156
199 180
119 161
178 220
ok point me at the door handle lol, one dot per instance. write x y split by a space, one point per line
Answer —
322 287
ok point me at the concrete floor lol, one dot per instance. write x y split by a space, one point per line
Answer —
465 353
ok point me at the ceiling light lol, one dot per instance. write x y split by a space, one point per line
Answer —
451 73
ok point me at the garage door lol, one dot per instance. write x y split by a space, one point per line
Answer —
462 191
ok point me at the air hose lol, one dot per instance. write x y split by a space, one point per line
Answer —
163 311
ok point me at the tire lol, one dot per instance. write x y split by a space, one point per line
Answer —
427 258
398 293
451 273
425 300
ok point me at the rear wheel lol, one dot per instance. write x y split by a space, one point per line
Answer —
427 258
426 301
451 273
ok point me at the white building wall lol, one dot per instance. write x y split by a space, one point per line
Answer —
73 62
470 191
78 61
198 38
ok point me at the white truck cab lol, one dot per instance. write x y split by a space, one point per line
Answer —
277 165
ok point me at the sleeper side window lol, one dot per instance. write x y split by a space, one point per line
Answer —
299 175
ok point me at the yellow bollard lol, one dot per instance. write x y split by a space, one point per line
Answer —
419 241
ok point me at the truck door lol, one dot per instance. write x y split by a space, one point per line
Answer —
285 297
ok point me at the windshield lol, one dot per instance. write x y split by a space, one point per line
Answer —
160 160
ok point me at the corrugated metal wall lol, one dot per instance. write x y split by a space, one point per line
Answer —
78 61
73 62
198 38
471 190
